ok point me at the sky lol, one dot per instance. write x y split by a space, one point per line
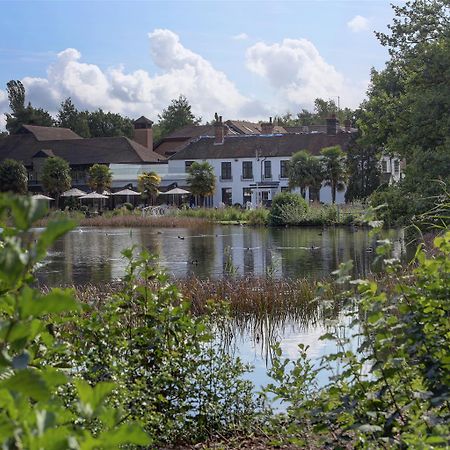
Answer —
242 59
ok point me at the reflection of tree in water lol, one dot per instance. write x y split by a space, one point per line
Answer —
201 254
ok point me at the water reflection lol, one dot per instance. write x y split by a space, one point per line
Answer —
93 255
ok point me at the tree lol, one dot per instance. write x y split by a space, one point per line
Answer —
148 184
13 177
333 163
304 171
408 108
363 169
22 115
201 179
56 176
69 117
107 124
100 177
176 115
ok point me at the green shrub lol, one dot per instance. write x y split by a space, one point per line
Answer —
128 206
258 216
287 209
34 412
390 383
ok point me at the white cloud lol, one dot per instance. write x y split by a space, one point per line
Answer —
139 92
3 109
298 74
358 23
240 37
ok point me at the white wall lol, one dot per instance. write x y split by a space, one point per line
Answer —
237 184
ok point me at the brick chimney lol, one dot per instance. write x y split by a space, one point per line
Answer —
219 130
143 132
332 124
267 127
348 125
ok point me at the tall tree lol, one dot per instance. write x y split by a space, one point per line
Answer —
176 115
69 117
201 179
56 177
107 124
13 177
334 170
21 114
148 184
99 177
363 168
304 170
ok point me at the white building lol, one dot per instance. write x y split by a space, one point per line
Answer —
253 168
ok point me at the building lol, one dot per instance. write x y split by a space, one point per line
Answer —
253 168
125 157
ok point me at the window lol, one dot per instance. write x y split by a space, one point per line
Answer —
396 166
227 196
247 170
267 169
384 166
246 195
284 168
225 173
187 164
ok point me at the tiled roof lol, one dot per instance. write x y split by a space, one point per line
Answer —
49 133
245 127
107 150
270 145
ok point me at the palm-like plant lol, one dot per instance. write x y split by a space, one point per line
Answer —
100 177
334 168
148 184
304 171
201 179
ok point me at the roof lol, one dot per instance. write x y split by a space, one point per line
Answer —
244 127
48 133
266 145
106 150
143 120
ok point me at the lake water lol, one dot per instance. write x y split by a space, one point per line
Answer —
93 255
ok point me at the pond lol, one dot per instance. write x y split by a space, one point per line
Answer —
93 255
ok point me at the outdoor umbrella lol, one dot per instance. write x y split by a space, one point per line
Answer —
176 191
42 197
94 196
74 192
126 193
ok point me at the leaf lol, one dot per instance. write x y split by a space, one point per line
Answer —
53 231
367 428
124 434
28 382
93 397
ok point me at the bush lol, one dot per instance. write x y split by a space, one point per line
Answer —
287 209
258 216
128 206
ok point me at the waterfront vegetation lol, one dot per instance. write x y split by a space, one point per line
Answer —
144 370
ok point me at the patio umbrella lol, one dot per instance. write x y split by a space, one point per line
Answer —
126 192
74 192
176 191
93 195
42 197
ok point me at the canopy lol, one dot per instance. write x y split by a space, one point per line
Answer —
93 195
74 192
42 197
126 192
176 191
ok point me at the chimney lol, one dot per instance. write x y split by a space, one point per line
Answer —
143 132
332 124
267 127
348 125
219 130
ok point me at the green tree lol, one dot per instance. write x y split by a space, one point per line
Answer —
13 177
107 124
69 117
56 177
201 179
176 115
148 184
334 170
304 171
99 177
363 169
21 114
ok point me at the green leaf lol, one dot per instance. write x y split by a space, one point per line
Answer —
124 434
28 382
53 231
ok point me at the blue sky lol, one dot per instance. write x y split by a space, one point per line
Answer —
245 59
